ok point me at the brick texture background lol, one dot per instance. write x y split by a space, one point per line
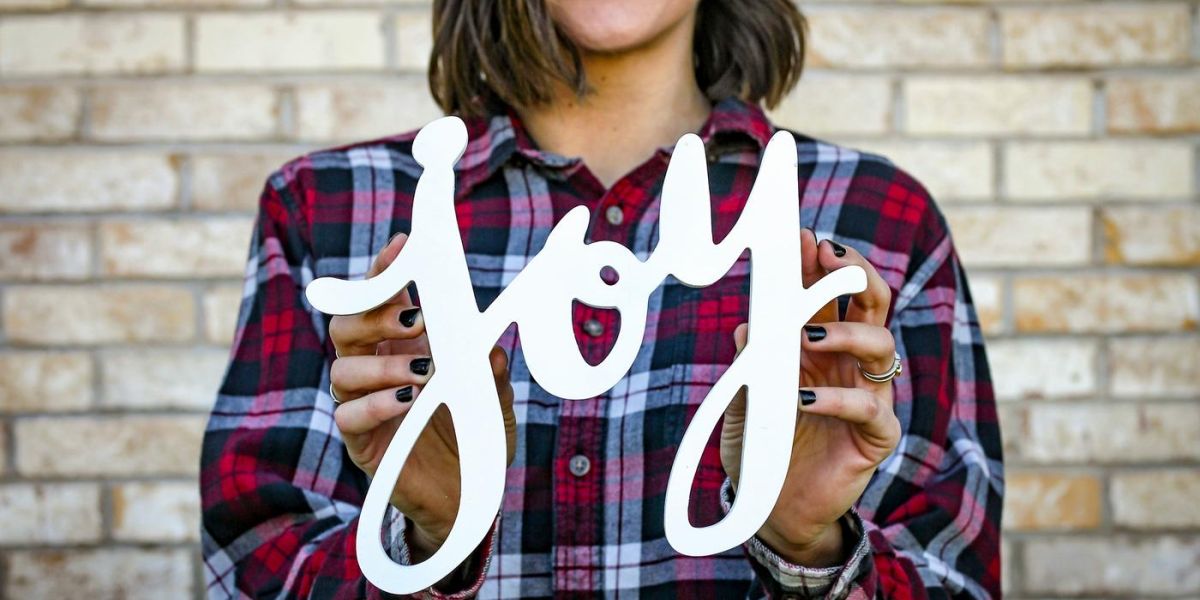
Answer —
1061 137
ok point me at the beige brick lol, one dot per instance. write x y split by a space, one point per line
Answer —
108 446
1038 501
51 513
831 105
45 381
414 39
893 37
232 182
81 182
221 307
175 248
987 293
91 44
1122 170
988 236
1006 561
44 251
1149 367
1025 369
101 574
38 113
1014 421
1106 303
98 315
1123 565
173 3
1152 236
345 113
1092 35
32 4
1062 433
1158 499
288 42
1154 104
189 112
949 170
978 106
361 2
156 512
162 378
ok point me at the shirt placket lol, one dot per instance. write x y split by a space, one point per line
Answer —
580 536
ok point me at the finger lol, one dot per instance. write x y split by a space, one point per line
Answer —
810 268
740 335
873 346
870 305
366 413
857 406
355 335
811 271
356 376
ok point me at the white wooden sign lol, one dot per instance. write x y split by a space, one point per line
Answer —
539 301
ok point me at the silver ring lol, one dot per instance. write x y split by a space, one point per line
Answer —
333 395
891 374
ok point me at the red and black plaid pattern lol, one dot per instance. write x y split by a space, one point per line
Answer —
582 515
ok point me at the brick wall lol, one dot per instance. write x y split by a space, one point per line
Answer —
1061 137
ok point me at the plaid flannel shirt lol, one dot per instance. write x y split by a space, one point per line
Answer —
582 514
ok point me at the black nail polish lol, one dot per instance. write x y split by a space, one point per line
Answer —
838 250
408 317
814 333
420 366
404 394
807 397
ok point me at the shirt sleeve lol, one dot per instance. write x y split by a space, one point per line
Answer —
280 497
928 524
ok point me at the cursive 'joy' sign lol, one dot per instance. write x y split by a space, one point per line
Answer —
539 301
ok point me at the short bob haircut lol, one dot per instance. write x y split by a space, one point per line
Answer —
510 51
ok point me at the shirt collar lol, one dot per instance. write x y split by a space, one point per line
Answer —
732 126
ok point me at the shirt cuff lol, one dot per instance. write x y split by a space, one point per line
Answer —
470 575
787 579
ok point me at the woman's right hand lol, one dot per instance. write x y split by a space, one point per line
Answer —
383 361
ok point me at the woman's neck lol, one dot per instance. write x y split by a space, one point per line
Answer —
639 100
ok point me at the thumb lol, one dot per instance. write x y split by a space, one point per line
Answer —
388 255
736 411
499 362
385 258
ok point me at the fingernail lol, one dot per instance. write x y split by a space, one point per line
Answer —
408 317
815 333
420 366
404 394
807 397
393 238
838 250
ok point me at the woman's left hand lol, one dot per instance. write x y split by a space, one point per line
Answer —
845 425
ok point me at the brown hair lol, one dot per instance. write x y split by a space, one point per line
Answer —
511 51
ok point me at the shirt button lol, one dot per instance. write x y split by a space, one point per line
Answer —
579 465
614 215
593 327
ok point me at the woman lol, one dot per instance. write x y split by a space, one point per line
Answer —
895 481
